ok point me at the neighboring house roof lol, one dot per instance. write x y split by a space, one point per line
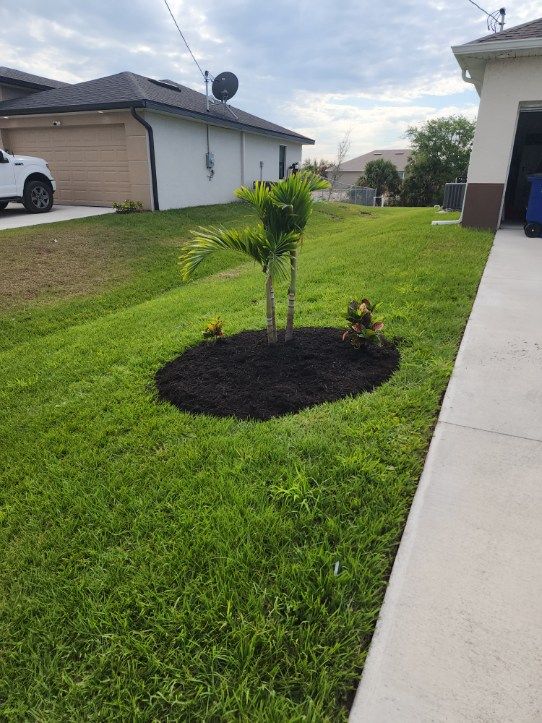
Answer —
520 41
12 76
532 29
125 90
398 156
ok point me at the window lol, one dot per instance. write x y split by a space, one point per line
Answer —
282 161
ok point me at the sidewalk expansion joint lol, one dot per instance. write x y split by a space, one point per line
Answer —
489 431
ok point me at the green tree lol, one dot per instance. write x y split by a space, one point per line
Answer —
283 211
440 154
382 175
316 166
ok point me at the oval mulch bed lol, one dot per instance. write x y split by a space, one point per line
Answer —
242 376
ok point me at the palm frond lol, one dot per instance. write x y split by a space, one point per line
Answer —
293 195
250 241
279 246
261 198
283 210
314 181
257 196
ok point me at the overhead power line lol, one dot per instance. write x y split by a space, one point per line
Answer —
184 39
475 5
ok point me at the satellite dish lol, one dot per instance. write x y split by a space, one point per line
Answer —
225 86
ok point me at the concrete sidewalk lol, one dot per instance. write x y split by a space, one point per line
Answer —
459 636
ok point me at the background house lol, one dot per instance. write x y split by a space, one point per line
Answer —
16 83
127 136
351 170
506 70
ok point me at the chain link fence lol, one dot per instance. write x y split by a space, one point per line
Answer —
350 194
362 195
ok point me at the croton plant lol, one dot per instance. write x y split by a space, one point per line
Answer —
214 329
363 327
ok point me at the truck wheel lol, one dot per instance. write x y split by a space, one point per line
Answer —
3 205
532 230
38 197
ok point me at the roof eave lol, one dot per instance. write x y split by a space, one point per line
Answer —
120 105
472 57
225 123
159 107
495 47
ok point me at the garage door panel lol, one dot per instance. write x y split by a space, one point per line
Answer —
108 156
89 163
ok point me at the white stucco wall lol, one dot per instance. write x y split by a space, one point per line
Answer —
180 146
259 148
507 84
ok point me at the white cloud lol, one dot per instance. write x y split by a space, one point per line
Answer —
377 126
316 67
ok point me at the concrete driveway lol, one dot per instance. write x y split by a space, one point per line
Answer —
16 216
459 636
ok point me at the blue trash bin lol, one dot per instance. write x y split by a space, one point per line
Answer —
533 217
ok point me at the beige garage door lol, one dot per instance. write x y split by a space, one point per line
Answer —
89 163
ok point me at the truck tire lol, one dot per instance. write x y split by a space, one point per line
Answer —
3 205
533 230
38 196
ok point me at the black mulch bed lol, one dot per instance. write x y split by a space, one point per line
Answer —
242 376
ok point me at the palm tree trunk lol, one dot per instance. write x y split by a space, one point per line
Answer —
291 297
271 320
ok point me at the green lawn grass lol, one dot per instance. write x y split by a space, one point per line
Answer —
58 275
163 566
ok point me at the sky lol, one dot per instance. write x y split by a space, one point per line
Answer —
322 68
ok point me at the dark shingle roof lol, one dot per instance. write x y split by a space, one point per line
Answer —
19 77
533 29
129 89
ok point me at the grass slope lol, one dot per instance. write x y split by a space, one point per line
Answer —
57 275
161 566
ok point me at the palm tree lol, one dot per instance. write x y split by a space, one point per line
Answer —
294 197
270 250
283 211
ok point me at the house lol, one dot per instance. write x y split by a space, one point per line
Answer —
17 83
350 171
127 136
506 70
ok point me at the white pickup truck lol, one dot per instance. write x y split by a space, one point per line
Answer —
26 180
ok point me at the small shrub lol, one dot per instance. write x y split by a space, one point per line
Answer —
363 328
128 206
214 329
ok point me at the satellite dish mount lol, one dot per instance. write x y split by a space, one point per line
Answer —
224 86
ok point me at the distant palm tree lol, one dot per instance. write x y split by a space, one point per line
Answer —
283 210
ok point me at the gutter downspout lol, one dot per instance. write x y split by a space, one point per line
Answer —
456 221
152 158
447 223
466 77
